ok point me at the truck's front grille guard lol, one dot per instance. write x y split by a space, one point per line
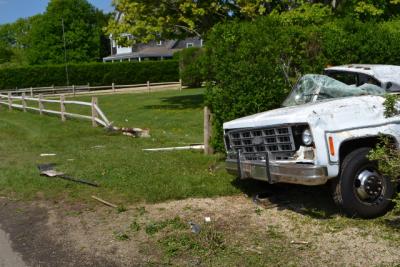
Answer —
255 142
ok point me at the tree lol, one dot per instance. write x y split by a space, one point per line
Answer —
369 9
82 25
151 20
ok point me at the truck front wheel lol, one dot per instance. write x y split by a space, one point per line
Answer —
361 190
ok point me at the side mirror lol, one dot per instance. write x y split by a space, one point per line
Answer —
389 85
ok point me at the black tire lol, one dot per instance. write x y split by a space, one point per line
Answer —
351 193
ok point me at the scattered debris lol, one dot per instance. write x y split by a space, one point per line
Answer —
105 202
299 242
99 147
49 171
269 200
207 219
190 147
195 228
48 155
134 132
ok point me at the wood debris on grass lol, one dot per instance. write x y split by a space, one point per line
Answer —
190 147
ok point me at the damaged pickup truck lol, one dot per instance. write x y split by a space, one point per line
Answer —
323 132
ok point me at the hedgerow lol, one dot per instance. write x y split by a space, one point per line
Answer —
93 73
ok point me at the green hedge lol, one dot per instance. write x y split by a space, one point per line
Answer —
246 60
191 66
93 73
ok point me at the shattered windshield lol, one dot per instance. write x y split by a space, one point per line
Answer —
313 87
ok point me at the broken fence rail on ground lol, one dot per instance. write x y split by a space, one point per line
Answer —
74 89
97 116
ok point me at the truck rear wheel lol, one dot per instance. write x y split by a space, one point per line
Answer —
361 190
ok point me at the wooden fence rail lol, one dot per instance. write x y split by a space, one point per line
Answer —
97 115
73 89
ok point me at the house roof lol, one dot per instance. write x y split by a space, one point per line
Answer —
147 52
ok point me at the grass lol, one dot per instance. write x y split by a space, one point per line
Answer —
117 162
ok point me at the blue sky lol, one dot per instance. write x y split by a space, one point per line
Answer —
11 10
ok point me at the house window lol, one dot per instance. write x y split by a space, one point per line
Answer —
189 45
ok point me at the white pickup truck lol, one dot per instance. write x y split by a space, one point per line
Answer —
323 132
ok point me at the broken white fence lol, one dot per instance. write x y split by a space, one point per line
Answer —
97 116
76 89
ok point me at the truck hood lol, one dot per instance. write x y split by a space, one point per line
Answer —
340 113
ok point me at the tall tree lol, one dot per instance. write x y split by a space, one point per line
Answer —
150 19
83 32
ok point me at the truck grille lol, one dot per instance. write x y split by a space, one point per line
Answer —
273 140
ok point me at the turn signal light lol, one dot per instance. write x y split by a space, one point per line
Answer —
331 146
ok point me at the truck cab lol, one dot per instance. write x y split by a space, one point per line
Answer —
323 133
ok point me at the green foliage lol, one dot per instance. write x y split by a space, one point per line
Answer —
93 73
83 24
387 156
305 14
5 54
369 9
192 66
390 105
251 66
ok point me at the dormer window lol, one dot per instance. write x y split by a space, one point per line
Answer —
189 45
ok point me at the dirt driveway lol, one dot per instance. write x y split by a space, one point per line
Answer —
280 231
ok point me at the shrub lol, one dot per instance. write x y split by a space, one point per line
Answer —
191 66
93 73
251 65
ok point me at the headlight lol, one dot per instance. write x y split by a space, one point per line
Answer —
307 137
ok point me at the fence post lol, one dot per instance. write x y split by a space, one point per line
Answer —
62 107
148 86
54 90
94 111
207 131
73 90
23 102
88 86
180 84
9 101
31 92
40 104
113 87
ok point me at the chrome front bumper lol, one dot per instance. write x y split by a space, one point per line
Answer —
278 172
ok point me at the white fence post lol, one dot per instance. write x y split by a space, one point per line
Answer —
180 84
94 111
62 108
113 87
23 102
31 92
9 101
73 89
40 104
148 86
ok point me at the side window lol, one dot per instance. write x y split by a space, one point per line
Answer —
348 78
364 78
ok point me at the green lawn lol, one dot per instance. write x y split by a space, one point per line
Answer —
125 172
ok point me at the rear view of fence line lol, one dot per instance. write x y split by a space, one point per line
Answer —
77 89
97 116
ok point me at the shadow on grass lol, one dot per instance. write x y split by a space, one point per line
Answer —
313 201
179 102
